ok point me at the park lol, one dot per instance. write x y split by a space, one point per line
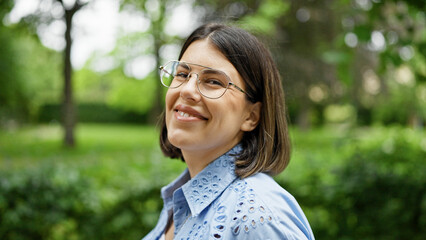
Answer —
79 138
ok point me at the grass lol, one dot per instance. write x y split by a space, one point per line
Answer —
100 144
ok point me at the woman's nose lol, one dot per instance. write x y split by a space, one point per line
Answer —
189 89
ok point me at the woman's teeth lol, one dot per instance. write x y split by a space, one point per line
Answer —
183 114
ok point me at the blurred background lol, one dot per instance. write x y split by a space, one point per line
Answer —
80 97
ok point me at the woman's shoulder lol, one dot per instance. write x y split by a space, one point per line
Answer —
263 188
258 208
270 191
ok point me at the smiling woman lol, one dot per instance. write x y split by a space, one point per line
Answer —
225 118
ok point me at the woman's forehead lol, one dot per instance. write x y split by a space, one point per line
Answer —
189 65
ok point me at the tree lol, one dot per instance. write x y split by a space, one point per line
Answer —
43 15
378 40
68 118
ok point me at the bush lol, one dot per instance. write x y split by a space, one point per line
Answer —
379 192
382 192
44 204
92 113
132 217
54 202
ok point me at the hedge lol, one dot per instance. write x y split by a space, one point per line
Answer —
52 203
91 112
378 192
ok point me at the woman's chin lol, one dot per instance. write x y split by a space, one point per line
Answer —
180 142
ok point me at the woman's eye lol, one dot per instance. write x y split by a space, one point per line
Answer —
182 75
214 82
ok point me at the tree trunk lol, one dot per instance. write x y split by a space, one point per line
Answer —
68 117
157 107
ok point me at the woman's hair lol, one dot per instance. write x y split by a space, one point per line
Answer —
267 147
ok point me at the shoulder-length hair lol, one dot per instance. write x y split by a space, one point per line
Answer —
266 148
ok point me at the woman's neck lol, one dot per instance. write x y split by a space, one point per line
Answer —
199 159
197 162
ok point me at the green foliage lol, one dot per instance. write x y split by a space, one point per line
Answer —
339 113
343 60
309 42
5 7
399 27
377 192
59 203
402 25
133 95
133 216
105 188
91 113
44 204
29 74
13 98
90 87
384 182
404 102
115 90
264 20
401 108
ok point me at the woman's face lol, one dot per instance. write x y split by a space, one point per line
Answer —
197 124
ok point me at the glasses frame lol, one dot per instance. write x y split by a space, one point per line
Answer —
230 83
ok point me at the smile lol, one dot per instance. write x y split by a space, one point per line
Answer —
188 113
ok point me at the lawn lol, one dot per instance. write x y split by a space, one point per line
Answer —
131 151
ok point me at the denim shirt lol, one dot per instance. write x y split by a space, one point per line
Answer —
216 204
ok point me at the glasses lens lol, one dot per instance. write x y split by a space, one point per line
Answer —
213 83
174 73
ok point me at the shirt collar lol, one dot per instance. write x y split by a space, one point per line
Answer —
207 185
167 191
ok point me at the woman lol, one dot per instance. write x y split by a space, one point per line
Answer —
225 117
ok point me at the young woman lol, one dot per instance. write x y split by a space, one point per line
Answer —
225 117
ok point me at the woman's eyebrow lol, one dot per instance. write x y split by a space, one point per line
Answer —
184 65
212 71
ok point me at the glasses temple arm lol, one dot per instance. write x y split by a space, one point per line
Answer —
241 90
161 68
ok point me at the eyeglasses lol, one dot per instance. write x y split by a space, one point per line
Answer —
211 83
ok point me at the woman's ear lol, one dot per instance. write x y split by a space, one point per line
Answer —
253 117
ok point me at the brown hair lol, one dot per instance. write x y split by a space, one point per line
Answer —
267 147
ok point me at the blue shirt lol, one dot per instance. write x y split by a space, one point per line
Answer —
216 204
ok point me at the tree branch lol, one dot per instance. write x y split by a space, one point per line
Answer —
78 5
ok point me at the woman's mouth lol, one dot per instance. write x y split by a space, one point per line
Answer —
186 112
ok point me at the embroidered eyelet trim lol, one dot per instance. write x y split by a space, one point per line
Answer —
247 214
207 187
197 231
